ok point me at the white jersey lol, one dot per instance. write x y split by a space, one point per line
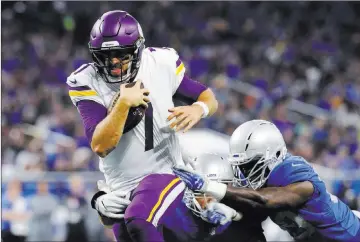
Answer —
161 72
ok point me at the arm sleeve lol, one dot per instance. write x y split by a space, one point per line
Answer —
189 90
92 113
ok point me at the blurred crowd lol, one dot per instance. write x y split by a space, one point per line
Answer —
284 52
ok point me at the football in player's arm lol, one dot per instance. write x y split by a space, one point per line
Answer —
282 185
104 129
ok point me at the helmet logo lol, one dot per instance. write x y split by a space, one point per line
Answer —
211 175
110 43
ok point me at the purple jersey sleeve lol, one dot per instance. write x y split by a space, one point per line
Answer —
189 90
92 113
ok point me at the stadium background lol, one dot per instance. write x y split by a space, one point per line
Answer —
295 63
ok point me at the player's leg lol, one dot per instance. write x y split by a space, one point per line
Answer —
142 231
149 204
120 232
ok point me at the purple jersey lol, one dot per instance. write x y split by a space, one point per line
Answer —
165 210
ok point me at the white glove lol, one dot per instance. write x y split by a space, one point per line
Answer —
218 213
113 203
197 182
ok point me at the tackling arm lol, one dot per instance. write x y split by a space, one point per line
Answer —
290 196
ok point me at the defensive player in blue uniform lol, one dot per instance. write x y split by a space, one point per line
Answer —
280 184
173 213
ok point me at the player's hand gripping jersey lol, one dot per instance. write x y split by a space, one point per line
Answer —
323 212
150 147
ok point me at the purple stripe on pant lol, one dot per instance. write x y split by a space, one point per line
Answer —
189 90
147 194
143 200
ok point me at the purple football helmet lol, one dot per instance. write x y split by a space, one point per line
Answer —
117 34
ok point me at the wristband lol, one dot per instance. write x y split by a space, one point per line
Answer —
204 107
216 189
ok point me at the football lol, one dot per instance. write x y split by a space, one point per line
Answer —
135 115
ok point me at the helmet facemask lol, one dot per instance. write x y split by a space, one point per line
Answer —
196 201
254 171
127 65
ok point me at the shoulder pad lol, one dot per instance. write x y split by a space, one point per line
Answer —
81 76
293 169
163 55
168 57
80 85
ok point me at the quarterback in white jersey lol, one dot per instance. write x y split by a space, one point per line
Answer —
102 93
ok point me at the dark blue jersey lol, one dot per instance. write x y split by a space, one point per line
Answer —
324 212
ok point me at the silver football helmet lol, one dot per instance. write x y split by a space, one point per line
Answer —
215 168
256 147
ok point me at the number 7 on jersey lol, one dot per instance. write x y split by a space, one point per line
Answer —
149 128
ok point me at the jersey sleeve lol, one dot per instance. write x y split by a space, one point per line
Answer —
79 87
169 59
88 102
184 88
176 66
293 169
92 114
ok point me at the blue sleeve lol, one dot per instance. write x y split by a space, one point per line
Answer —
293 169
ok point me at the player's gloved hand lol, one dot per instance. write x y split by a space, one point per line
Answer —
196 182
191 178
220 215
134 96
185 116
111 204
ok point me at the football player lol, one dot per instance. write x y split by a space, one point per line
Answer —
283 185
192 216
112 94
